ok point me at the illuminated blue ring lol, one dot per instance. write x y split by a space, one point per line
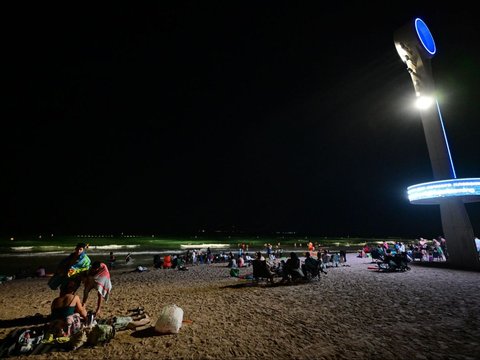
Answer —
434 192
425 36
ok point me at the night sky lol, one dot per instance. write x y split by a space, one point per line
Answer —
246 116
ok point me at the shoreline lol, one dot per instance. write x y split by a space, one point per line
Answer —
26 263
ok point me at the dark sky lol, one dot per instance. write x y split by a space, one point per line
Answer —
258 116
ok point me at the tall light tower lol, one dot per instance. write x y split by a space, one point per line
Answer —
415 45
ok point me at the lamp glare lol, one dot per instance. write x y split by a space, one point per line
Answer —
424 102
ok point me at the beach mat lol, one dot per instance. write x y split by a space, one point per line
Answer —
10 346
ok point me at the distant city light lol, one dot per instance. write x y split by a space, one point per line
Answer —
433 192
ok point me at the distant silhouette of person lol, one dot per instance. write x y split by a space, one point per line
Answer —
111 261
261 268
443 245
292 268
128 258
310 265
157 261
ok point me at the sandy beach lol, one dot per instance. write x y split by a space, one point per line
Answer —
351 313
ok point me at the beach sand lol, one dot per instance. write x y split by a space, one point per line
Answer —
351 313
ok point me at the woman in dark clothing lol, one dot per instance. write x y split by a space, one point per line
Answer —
62 309
292 268
67 303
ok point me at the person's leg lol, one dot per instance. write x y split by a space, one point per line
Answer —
139 321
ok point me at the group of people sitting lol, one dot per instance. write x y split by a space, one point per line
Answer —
69 315
290 270
67 310
169 262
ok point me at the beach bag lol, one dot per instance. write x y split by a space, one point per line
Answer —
170 320
100 333
234 272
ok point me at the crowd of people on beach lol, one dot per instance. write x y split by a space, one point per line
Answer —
72 314
273 263
73 319
420 250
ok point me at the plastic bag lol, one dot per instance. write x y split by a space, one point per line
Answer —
170 320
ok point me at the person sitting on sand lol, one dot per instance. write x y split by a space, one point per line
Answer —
98 277
389 259
261 268
157 261
365 250
278 270
292 268
71 267
241 261
248 259
320 260
62 310
232 262
167 262
181 263
310 265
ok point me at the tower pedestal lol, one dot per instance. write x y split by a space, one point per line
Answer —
462 253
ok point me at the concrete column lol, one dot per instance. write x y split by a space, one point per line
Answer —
457 228
462 252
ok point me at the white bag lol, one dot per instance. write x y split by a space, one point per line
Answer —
170 320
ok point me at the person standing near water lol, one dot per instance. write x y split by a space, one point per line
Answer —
111 261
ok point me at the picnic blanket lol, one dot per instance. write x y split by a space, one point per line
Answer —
24 341
37 340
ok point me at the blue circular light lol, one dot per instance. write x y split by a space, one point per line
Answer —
437 191
425 36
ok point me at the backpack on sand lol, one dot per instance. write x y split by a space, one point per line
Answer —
100 333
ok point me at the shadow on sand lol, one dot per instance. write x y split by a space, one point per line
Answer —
264 284
25 321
